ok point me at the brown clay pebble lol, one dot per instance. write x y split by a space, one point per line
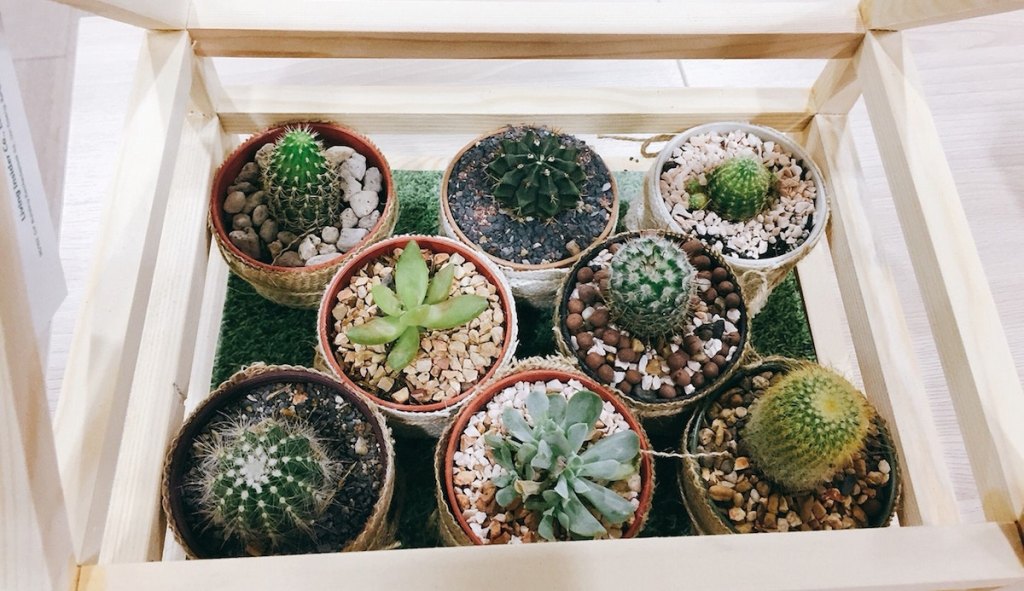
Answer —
610 337
733 300
585 340
719 274
599 317
692 344
680 377
628 355
606 373
704 275
725 287
692 246
719 360
574 322
599 333
710 294
731 338
602 274
585 275
697 380
614 248
677 360
701 262
587 293
667 391
594 360
625 387
633 376
576 306
710 370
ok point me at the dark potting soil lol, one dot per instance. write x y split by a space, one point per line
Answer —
527 240
339 425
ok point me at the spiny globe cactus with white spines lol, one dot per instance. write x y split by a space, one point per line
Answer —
806 427
303 189
536 176
649 287
739 188
265 483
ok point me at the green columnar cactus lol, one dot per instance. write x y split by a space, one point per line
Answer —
417 305
739 189
265 483
545 467
537 177
303 189
649 286
806 427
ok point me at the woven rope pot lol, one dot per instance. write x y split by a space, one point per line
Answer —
296 287
709 518
415 420
538 283
455 531
757 276
376 533
662 414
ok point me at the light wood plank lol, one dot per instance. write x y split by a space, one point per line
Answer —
905 14
148 14
441 109
892 377
451 29
833 345
986 390
106 339
133 532
980 555
35 540
837 88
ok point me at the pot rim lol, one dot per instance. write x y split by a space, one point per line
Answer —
533 375
560 264
257 140
435 244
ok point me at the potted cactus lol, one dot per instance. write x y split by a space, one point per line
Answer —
279 460
416 323
748 192
532 199
290 204
788 445
544 454
656 316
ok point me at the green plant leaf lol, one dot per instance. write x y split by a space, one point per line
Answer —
544 459
441 284
506 496
378 331
411 276
537 404
516 425
527 488
405 349
622 447
450 313
610 470
614 508
584 407
503 480
502 451
525 455
562 487
386 300
546 528
577 434
556 408
581 521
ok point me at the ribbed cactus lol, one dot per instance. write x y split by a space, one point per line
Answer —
537 176
806 427
739 189
303 190
263 483
649 286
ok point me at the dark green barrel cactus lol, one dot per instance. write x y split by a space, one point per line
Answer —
303 190
650 285
537 176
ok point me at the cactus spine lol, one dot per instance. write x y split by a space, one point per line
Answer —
303 189
536 176
806 427
650 285
739 189
262 483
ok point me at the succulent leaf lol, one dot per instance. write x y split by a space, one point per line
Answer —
378 331
386 300
537 176
440 284
405 348
450 313
411 276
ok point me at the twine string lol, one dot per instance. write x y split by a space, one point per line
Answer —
679 456
645 142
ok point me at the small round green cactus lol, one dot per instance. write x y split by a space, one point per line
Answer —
806 427
303 190
738 189
263 483
537 176
649 286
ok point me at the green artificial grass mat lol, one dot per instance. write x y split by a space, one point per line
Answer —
254 329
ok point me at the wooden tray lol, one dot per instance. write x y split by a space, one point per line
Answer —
144 343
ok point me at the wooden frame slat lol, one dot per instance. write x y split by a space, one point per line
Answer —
548 29
906 14
447 109
892 378
837 88
148 14
833 344
969 556
985 388
109 325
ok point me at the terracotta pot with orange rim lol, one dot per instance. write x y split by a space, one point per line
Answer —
469 508
534 251
451 365
276 275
